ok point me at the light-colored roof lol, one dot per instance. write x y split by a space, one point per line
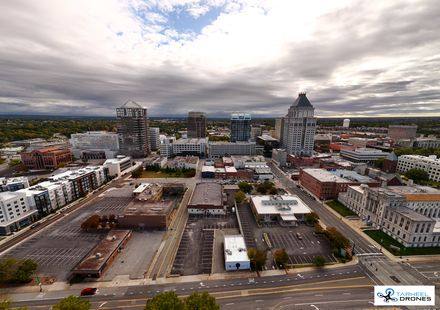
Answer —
141 188
235 249
324 175
284 205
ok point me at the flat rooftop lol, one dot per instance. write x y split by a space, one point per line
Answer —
284 205
235 249
99 255
413 215
324 175
352 176
208 193
149 208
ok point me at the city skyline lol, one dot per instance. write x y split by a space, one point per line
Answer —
352 58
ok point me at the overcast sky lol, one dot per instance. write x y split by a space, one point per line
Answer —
353 58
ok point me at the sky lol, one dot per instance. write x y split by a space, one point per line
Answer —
353 58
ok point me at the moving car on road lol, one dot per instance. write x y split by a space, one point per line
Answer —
89 291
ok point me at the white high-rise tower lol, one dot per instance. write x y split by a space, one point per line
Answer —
299 127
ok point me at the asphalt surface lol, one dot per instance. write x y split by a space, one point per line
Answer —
230 292
361 245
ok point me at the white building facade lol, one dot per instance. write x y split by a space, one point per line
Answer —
95 145
429 164
15 212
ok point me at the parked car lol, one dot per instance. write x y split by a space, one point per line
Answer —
35 225
89 291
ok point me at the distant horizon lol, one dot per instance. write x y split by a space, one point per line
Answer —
4 115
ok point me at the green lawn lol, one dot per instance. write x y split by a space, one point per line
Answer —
340 208
385 240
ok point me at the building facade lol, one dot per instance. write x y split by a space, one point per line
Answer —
221 149
15 212
409 214
133 130
13 184
207 199
48 158
363 155
240 127
154 138
196 127
299 127
402 132
117 166
429 164
95 145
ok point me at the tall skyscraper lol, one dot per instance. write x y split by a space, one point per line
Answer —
240 127
196 126
133 129
299 127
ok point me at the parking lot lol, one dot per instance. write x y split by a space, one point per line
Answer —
195 252
62 245
299 251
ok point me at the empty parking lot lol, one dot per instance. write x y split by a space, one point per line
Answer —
62 245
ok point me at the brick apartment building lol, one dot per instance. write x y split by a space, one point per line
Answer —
47 158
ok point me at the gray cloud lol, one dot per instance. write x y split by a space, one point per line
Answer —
55 80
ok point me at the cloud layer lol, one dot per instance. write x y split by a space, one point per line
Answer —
354 58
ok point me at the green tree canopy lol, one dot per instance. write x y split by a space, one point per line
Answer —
25 271
312 217
337 239
417 175
319 261
165 301
245 187
72 303
200 301
257 258
239 196
280 257
137 173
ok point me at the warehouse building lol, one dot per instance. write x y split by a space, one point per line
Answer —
236 257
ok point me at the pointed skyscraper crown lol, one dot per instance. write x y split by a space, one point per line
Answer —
302 101
131 104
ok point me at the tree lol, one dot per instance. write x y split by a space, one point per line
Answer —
72 303
200 301
417 175
91 223
312 217
280 257
245 187
14 162
6 304
378 163
257 258
165 301
137 173
239 196
7 270
319 261
337 239
25 271
273 191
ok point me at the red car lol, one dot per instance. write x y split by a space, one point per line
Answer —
88 291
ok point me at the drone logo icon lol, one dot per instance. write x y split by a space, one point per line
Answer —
387 297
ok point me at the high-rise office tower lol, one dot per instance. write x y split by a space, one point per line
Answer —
154 138
299 127
133 130
196 126
240 127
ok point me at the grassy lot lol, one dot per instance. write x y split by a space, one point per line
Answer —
162 174
340 208
385 240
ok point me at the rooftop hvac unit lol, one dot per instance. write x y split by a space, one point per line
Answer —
98 255
229 252
113 237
